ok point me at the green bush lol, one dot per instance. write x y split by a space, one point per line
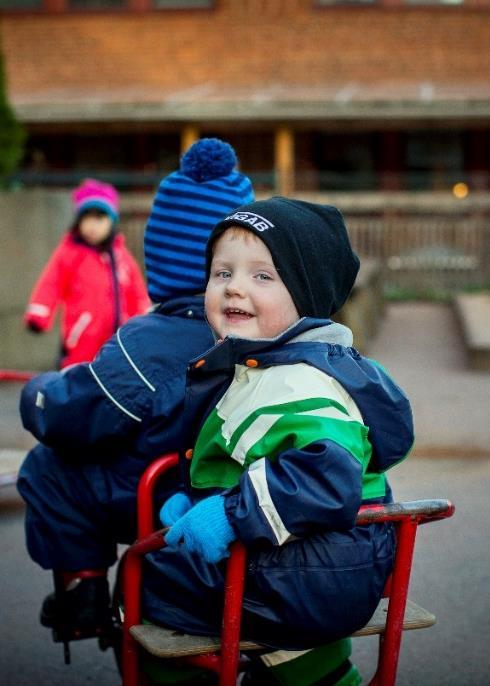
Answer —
12 134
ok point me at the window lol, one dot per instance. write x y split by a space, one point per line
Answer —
327 161
434 159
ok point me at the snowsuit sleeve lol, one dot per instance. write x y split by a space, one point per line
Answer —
132 391
47 292
304 491
101 403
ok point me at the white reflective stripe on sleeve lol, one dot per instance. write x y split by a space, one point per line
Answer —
126 354
77 329
123 409
258 477
39 309
40 400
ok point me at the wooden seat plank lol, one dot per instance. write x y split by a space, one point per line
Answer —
415 618
167 643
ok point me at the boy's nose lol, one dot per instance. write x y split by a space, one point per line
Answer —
234 286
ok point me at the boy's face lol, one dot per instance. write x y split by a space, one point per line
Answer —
95 227
245 296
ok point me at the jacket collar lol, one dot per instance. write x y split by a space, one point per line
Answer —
231 351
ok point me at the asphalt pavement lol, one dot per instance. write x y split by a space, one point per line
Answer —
421 345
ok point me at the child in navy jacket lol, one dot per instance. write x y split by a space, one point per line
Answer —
100 424
289 431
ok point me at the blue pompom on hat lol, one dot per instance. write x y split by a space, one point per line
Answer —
209 158
187 205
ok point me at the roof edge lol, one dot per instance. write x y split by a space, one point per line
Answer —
222 111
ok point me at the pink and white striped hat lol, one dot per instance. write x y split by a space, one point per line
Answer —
92 194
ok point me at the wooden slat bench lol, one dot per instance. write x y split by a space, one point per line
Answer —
167 643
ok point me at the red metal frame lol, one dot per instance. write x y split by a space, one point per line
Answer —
406 517
146 488
13 375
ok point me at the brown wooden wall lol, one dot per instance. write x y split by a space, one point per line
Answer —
244 44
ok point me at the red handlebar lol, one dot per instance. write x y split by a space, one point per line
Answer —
13 375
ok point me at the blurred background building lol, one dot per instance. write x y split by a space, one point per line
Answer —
315 95
381 107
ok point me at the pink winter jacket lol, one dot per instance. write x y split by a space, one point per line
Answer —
81 280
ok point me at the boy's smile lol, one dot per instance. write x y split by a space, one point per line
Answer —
245 295
235 314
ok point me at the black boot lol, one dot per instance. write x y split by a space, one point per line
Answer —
81 611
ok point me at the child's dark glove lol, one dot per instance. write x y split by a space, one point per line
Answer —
33 327
175 508
205 530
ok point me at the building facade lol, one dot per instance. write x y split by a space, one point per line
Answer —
315 95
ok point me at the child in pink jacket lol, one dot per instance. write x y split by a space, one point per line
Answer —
91 275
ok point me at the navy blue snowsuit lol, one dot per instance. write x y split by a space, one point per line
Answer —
313 576
99 426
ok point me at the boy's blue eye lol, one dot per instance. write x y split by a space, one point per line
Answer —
223 274
264 277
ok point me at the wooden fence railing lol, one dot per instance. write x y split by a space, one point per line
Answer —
420 249
426 254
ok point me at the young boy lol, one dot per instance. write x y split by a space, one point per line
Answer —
291 431
100 424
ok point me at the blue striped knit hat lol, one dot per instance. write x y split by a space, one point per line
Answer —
188 204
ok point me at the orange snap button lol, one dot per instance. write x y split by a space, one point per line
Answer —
252 363
199 363
189 453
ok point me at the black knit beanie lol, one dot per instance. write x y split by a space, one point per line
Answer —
310 248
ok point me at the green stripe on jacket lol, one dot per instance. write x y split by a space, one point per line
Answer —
222 454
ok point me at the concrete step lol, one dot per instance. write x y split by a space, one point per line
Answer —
473 313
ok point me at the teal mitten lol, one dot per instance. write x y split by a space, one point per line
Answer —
204 530
174 508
